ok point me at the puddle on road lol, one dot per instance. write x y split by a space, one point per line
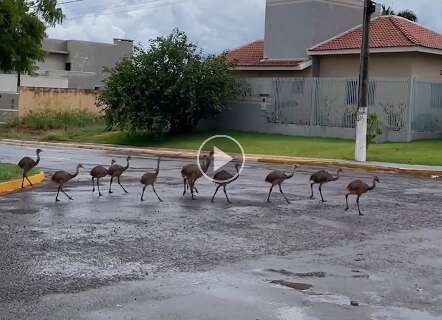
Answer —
293 285
298 274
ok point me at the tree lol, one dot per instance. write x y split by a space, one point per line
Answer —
168 87
407 14
23 26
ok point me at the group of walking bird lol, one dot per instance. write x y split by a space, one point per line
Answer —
190 174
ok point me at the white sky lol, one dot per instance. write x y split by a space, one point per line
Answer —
215 25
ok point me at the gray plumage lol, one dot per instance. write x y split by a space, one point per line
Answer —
116 171
276 178
97 173
149 179
223 178
191 173
322 177
27 164
61 177
359 188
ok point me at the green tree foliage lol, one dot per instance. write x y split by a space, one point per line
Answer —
374 128
22 29
407 14
168 87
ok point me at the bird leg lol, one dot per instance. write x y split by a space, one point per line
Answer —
153 187
58 192
98 186
357 201
311 187
196 190
23 182
69 197
280 190
191 184
142 194
225 192
217 188
346 201
186 186
122 185
110 184
270 192
93 184
320 191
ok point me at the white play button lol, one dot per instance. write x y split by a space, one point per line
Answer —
221 154
220 158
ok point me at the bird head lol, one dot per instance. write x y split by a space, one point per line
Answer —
113 162
80 166
129 158
340 170
39 151
376 179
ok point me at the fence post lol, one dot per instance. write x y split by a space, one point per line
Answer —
411 102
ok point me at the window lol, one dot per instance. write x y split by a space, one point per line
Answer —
352 92
436 95
67 66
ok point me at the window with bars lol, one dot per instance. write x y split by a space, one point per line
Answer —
352 93
436 95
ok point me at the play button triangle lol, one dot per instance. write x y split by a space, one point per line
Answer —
220 159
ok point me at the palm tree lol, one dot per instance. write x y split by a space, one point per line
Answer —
407 14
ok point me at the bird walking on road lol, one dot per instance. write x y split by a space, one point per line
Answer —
115 171
97 173
61 177
358 188
223 178
191 173
323 177
276 178
149 179
27 164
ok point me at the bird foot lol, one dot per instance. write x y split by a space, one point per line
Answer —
361 214
110 192
346 209
100 195
324 201
71 198
161 200
57 200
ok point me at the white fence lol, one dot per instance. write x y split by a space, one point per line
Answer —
407 109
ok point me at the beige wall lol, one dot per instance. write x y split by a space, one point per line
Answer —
272 74
384 65
56 99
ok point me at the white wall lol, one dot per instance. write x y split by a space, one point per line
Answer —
8 83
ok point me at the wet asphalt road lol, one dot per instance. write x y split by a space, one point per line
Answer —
117 258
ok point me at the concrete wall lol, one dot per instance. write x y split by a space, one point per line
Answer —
53 61
8 83
383 65
56 99
293 26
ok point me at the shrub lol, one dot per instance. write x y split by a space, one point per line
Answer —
52 119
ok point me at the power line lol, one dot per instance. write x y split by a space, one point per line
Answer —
70 1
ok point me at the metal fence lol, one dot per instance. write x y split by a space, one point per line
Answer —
407 109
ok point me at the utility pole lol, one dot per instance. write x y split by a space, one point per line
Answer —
361 125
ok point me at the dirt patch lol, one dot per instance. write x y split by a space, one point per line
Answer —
293 285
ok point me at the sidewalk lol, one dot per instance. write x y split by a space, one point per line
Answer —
418 170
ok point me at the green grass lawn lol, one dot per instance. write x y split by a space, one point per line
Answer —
12 171
426 152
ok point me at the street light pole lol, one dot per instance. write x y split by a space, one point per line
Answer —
362 115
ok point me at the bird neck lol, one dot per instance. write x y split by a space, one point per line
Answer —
373 186
207 164
157 171
127 165
75 173
338 175
291 174
37 161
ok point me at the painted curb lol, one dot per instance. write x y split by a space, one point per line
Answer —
14 185
425 171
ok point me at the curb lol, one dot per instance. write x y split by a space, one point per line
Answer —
188 154
14 185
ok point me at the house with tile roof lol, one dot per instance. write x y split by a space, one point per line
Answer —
399 48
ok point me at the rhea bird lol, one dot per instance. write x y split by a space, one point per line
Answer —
149 179
116 171
359 188
97 173
61 178
27 164
276 178
224 178
322 177
191 173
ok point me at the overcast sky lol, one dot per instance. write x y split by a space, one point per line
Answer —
215 25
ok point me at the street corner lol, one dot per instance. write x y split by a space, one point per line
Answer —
14 185
221 159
